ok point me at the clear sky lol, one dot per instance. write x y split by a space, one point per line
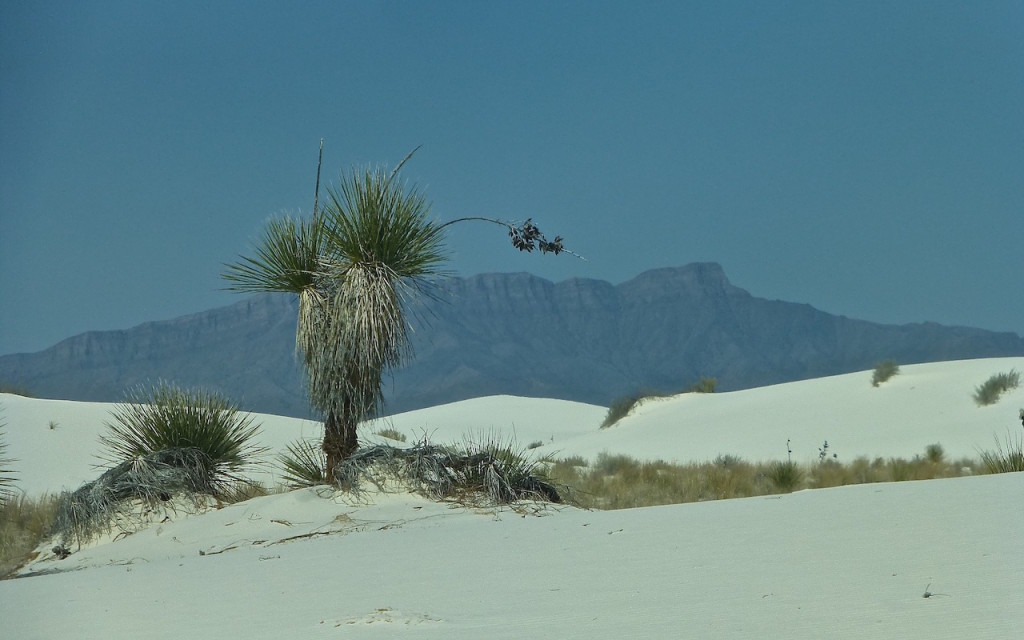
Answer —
864 157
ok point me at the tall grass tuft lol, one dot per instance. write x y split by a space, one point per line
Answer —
24 522
884 370
989 391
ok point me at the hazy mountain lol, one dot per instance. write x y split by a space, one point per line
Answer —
585 340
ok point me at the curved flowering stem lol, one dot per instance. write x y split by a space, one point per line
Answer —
525 236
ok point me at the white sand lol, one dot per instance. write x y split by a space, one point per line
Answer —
850 562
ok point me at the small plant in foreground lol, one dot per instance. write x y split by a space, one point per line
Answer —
883 371
304 464
24 522
989 391
169 417
163 442
1006 457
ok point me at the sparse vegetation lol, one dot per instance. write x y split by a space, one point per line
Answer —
618 481
15 389
24 522
304 464
884 370
392 434
706 385
623 406
989 391
1007 457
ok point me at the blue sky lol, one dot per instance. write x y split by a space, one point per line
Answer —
866 158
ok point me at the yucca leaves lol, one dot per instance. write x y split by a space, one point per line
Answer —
354 266
167 417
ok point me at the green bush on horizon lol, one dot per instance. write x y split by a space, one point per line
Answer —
989 391
884 370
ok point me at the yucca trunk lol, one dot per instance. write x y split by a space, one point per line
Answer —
340 441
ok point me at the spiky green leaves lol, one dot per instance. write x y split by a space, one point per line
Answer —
167 417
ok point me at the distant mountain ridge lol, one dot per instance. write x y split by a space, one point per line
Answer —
517 334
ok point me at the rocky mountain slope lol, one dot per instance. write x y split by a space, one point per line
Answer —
585 340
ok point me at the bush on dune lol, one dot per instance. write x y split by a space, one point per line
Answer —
164 442
989 391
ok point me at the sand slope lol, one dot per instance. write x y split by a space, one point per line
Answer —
849 562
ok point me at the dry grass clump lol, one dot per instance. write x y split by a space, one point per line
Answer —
619 481
24 522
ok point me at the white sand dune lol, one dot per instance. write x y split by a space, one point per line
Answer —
849 562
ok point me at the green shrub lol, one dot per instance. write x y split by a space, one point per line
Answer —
304 464
786 476
620 408
989 391
883 371
169 417
392 434
1005 458
706 385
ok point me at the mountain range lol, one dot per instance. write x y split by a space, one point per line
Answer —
517 334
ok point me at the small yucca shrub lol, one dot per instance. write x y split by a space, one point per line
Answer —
304 464
169 417
884 370
989 391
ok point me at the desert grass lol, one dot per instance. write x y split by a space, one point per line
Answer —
884 370
392 434
615 481
24 522
989 391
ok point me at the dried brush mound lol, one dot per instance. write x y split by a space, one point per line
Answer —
489 473
152 479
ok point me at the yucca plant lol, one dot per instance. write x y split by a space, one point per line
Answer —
355 265
165 417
